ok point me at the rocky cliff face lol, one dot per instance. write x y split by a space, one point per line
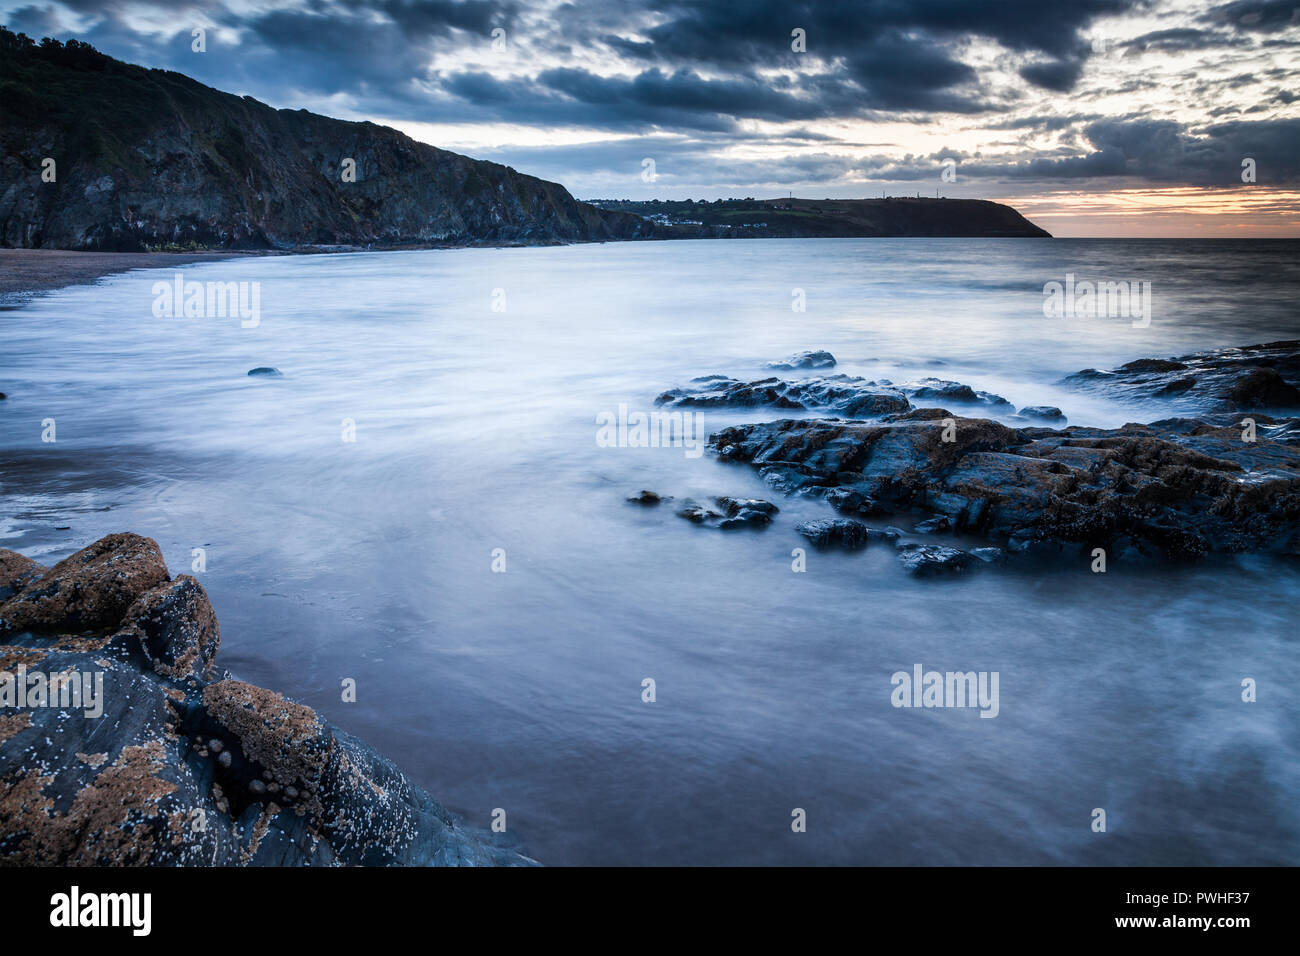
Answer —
150 158
161 760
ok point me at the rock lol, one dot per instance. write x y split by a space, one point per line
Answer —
931 525
802 360
1178 487
16 572
990 555
745 513
1256 378
937 389
847 501
176 628
1045 413
845 394
266 370
929 560
847 533
1262 388
648 498
735 513
91 589
272 781
698 514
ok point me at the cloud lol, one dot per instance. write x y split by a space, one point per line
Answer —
716 90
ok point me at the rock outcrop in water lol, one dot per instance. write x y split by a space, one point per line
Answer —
164 161
182 766
732 513
818 359
848 395
1179 488
1264 378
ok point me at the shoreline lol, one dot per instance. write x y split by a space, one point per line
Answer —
28 272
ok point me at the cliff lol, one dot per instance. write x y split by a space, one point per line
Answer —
152 159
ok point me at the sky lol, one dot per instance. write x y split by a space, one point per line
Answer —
1092 117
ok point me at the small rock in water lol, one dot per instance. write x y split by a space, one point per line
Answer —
736 513
648 498
257 787
266 370
990 555
807 359
932 389
745 512
1045 413
847 533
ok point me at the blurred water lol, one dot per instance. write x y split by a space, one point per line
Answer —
475 430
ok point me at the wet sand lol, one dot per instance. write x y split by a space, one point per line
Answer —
26 271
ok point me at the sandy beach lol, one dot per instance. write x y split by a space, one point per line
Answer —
26 271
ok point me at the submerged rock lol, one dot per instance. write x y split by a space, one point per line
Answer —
648 498
266 370
181 766
1250 378
800 360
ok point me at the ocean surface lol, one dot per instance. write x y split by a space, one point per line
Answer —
475 430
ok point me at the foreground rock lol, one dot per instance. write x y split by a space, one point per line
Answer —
1251 378
160 761
1179 488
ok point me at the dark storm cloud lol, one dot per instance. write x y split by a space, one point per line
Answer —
1056 75
753 31
1184 38
872 56
1163 151
690 75
1263 16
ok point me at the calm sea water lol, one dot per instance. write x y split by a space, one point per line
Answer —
475 430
